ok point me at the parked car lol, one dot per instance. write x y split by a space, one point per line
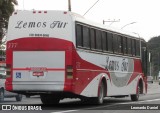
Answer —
149 79
7 94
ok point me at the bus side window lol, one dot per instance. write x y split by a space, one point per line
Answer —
86 38
129 46
133 47
93 38
137 48
79 38
119 43
104 41
124 45
98 40
115 43
110 42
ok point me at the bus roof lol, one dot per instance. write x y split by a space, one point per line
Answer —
105 27
78 18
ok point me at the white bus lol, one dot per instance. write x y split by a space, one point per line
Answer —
59 54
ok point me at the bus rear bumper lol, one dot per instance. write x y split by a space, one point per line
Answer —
37 86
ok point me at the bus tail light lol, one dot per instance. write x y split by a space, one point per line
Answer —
69 71
8 70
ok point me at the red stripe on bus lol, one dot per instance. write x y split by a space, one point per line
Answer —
48 69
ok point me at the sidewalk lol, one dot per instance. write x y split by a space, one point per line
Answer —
153 88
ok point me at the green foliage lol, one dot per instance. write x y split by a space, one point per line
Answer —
154 48
2 53
6 9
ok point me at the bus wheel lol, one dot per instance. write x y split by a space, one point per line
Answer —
99 99
135 97
19 97
49 99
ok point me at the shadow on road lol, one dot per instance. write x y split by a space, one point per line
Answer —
81 105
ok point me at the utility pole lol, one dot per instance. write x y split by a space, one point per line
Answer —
69 5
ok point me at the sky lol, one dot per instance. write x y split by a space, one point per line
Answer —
143 14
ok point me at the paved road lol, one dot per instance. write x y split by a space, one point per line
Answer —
111 105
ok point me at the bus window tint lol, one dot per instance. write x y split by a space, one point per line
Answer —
86 40
110 42
119 43
137 48
129 46
124 45
98 40
79 35
93 39
115 43
104 41
133 47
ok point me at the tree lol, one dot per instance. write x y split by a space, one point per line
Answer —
6 9
154 48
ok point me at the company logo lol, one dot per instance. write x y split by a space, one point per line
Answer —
20 107
6 107
55 24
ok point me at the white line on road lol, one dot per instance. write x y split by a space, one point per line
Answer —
107 106
150 100
125 103
65 111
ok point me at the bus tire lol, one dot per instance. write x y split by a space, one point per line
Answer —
95 100
135 97
19 98
1 95
49 99
99 100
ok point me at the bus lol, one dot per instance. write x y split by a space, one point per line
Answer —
60 54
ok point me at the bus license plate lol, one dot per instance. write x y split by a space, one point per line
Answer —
38 73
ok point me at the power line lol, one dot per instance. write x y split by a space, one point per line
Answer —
91 7
112 21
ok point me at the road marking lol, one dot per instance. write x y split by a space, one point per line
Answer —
107 106
65 111
124 103
150 100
